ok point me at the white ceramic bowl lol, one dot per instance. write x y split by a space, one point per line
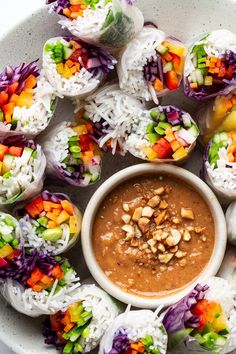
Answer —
127 174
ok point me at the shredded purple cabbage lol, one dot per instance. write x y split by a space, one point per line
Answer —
179 316
100 60
150 24
59 5
51 336
153 69
19 73
121 343
21 267
19 140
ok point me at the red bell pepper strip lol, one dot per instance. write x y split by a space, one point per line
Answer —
171 80
38 202
3 262
12 88
32 210
230 71
3 150
163 149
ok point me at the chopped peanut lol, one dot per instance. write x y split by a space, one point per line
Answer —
126 218
126 207
154 201
180 254
163 204
143 224
187 236
160 218
187 213
165 258
147 211
137 214
159 191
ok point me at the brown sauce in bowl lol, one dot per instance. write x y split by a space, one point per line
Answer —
153 235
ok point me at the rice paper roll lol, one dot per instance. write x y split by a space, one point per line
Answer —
104 23
210 66
228 267
38 284
141 331
219 165
218 115
74 68
204 320
50 223
72 154
27 101
231 223
112 112
163 134
151 65
10 240
22 169
87 320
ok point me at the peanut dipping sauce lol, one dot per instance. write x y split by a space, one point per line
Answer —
153 235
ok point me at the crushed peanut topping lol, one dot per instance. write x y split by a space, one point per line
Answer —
156 231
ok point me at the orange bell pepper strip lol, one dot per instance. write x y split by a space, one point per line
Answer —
3 98
15 151
30 82
35 277
67 206
57 272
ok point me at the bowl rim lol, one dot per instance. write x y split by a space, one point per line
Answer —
126 174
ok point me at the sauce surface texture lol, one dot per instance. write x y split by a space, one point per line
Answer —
153 235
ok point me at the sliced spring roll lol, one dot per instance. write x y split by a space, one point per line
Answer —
230 217
50 223
135 332
112 112
109 23
74 68
163 134
72 155
80 328
228 267
37 284
219 115
151 65
27 101
10 239
210 66
219 164
22 166
204 321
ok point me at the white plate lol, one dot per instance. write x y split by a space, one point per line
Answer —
181 18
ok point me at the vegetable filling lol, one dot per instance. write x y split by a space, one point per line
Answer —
9 242
17 89
166 68
69 329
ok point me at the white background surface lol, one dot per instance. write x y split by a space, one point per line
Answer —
16 10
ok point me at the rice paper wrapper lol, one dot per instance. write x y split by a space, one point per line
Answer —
137 138
33 120
112 111
220 291
49 145
34 187
35 304
139 324
104 308
82 82
136 55
225 196
212 117
228 267
32 240
217 43
112 27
